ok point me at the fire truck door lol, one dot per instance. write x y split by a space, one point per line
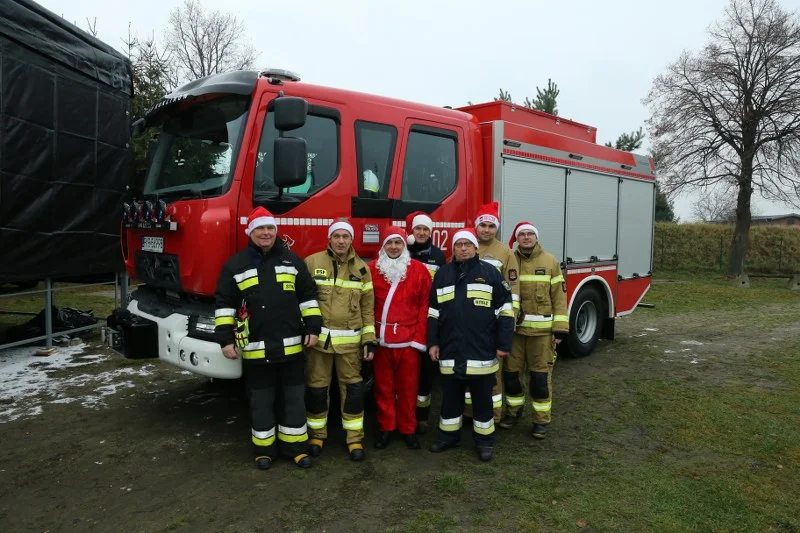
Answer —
432 175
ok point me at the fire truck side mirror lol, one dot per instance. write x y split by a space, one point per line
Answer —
291 162
290 112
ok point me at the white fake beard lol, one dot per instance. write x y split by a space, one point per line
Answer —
393 270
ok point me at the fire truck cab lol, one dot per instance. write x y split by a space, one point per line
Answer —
310 154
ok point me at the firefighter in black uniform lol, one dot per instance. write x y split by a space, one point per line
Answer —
419 227
266 312
470 328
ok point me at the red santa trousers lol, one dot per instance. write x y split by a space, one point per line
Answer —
396 384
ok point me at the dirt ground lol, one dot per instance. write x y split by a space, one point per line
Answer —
94 442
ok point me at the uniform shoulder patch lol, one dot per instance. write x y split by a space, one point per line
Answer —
512 274
506 286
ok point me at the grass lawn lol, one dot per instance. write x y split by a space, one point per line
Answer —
689 421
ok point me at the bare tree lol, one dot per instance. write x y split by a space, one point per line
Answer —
729 115
91 26
715 206
203 43
718 204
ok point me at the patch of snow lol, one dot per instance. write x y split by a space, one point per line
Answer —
28 382
669 351
692 343
651 329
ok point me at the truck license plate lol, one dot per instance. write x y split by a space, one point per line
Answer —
153 244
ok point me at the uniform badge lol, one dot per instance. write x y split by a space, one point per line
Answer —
354 278
481 303
321 272
540 272
512 275
507 286
480 280
288 286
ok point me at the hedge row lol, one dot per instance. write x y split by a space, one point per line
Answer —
772 249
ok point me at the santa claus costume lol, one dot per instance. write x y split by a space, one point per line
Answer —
401 287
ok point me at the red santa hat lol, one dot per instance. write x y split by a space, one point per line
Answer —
466 233
342 223
488 213
417 218
519 228
392 232
259 217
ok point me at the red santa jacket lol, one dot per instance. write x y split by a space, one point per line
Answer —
401 309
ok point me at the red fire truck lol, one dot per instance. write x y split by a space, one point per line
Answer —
310 154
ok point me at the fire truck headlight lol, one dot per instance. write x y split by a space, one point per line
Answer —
202 327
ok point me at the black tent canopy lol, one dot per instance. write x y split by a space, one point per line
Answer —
64 131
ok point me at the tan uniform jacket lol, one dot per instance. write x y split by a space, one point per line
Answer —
345 299
501 256
543 293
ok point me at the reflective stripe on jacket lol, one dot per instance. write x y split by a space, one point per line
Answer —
429 255
345 299
470 317
543 293
279 296
501 257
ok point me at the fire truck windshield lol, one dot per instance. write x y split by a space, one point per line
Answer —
195 149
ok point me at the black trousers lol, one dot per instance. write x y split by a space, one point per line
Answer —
426 370
453 388
280 385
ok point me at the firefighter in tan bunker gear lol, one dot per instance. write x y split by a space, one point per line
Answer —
344 284
542 324
497 254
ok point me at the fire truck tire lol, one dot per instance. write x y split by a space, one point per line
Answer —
585 323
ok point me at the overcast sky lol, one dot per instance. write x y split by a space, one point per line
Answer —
603 55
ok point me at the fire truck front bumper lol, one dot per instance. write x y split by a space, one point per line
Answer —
176 347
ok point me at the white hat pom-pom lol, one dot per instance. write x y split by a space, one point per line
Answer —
410 239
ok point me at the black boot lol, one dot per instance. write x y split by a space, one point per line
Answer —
383 439
315 447
539 431
302 460
263 462
485 454
508 422
356 452
439 446
422 427
411 441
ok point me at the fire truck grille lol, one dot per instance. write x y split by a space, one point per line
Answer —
158 270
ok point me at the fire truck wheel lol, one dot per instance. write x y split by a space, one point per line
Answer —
585 322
